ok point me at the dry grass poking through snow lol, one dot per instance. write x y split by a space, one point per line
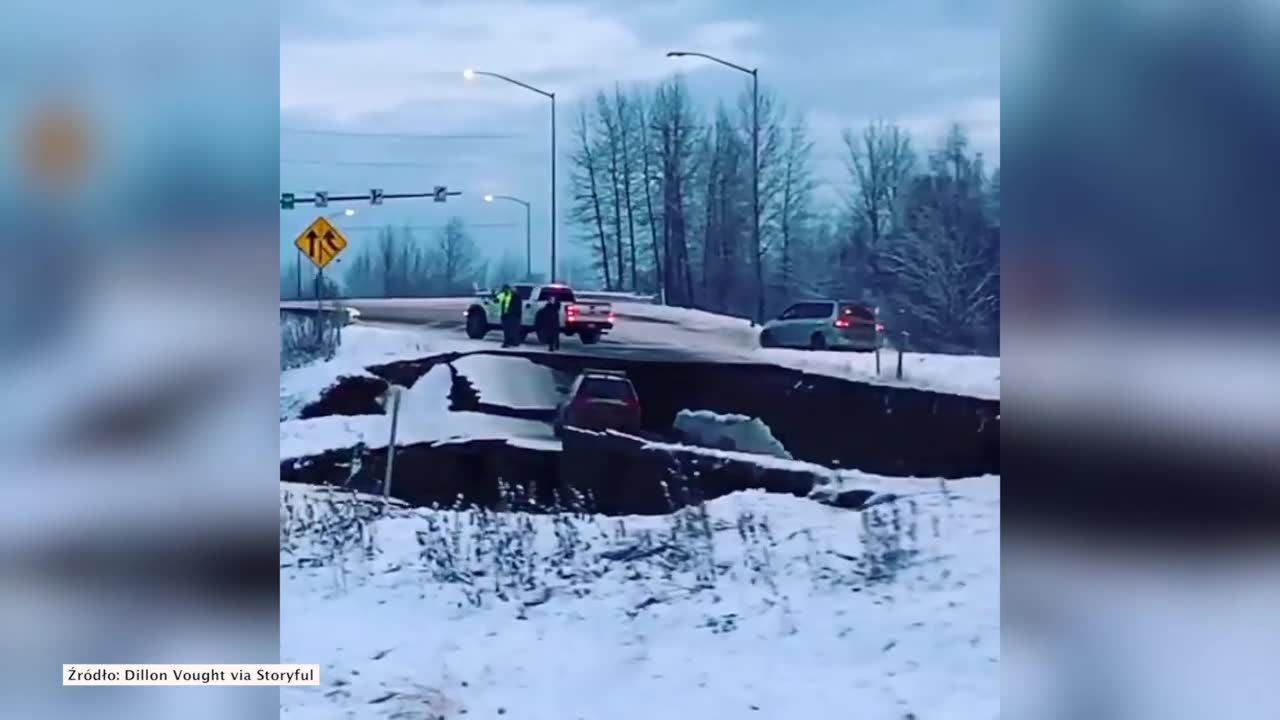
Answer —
524 559
747 606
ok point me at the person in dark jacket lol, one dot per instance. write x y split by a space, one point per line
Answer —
551 323
511 318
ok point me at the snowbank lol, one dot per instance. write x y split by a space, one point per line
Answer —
828 482
765 606
513 382
729 432
361 347
305 438
971 375
738 340
428 400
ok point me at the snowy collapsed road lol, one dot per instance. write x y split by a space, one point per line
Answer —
656 332
751 605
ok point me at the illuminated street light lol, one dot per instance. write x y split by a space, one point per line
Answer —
470 74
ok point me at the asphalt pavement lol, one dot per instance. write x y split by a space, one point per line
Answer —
634 337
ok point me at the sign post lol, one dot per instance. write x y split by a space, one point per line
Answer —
321 243
394 394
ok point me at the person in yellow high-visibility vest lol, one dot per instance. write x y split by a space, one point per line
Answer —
508 308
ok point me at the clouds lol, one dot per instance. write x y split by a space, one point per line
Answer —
396 66
413 52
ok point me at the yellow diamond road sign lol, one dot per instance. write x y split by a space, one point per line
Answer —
321 242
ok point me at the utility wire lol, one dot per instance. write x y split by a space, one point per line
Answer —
393 226
405 136
372 163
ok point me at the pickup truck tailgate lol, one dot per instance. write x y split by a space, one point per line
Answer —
589 312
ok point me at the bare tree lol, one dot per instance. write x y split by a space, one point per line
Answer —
612 140
626 132
675 131
768 112
587 207
944 264
459 260
881 161
387 249
509 269
794 210
726 231
649 175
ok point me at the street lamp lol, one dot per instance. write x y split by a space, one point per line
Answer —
471 74
528 243
755 157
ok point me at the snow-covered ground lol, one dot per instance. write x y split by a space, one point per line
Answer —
361 347
424 417
972 375
510 381
755 606
652 328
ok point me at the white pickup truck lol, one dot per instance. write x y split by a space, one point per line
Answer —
587 320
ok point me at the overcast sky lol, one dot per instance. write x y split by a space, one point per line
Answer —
394 67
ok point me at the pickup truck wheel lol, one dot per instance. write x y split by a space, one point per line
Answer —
477 325
589 337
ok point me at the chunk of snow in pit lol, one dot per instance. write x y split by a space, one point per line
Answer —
513 382
782 624
427 400
729 432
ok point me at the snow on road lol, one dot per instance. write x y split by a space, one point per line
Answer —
512 382
764 606
655 328
361 347
424 417
971 375
313 436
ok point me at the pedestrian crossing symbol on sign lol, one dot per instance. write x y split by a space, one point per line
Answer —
321 242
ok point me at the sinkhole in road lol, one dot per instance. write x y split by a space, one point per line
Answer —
826 421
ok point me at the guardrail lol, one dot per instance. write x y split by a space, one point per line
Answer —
308 334
607 296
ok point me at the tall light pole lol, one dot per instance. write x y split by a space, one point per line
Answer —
470 74
528 242
755 162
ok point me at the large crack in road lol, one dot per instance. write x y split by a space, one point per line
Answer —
826 421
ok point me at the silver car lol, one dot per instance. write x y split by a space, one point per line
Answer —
824 325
